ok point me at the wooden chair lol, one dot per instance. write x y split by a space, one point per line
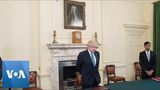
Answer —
32 81
137 71
78 84
33 78
111 75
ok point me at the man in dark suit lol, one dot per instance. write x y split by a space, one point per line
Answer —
0 68
87 66
147 61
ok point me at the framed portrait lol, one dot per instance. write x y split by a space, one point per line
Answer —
74 15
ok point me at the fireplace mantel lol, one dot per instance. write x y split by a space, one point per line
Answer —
65 46
62 52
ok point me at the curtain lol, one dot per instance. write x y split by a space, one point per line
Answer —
156 34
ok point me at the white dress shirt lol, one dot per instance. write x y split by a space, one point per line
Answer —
148 55
94 57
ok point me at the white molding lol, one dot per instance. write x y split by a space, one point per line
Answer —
113 60
44 75
65 46
140 26
117 66
136 30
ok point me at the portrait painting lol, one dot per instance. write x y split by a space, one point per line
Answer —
74 15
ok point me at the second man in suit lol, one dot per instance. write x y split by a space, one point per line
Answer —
147 61
87 66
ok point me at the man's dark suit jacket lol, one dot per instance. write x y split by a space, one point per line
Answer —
86 68
147 65
0 68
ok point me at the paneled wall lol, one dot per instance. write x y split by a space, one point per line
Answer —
19 31
125 26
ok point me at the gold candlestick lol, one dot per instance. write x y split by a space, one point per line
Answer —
54 37
96 36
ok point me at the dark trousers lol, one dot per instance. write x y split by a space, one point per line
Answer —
86 87
145 76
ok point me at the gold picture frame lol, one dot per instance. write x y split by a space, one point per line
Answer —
74 15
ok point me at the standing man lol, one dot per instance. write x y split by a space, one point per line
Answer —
0 68
87 66
147 61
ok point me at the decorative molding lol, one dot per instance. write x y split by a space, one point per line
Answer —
113 60
136 26
65 46
44 75
118 65
135 30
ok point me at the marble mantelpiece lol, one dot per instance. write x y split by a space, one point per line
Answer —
62 52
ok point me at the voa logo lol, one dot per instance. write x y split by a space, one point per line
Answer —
15 74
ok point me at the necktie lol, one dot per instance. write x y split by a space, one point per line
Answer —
148 55
93 59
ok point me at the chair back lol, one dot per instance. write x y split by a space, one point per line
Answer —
138 69
33 78
78 82
110 69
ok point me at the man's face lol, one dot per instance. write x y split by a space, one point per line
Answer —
92 48
147 47
74 9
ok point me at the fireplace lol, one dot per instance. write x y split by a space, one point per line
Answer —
67 70
63 60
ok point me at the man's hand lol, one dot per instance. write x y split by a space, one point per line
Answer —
152 71
149 73
78 79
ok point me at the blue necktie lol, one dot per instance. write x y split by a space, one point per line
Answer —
93 60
